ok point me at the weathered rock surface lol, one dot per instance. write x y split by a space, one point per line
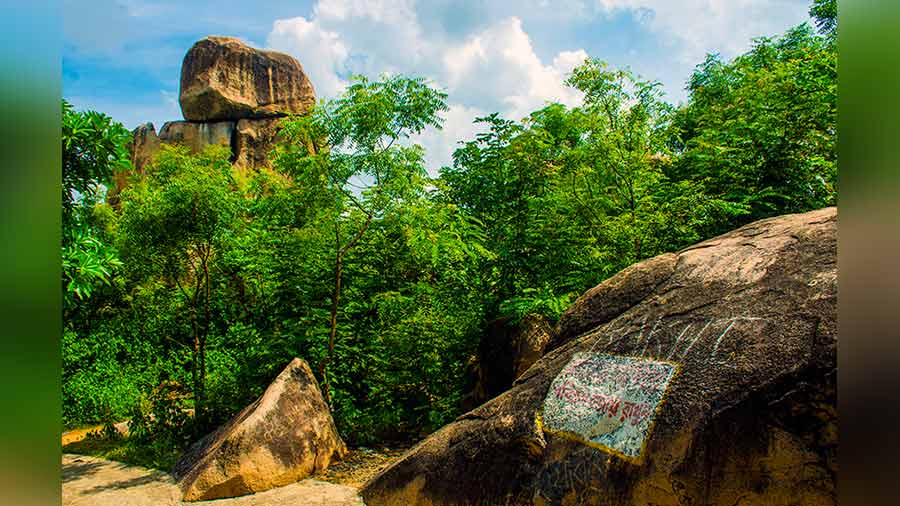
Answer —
286 435
506 351
144 144
250 142
224 79
254 139
747 321
196 136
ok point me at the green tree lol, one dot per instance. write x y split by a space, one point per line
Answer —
760 131
617 168
825 12
175 226
93 149
357 164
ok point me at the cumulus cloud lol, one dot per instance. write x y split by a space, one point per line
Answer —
482 55
494 69
321 52
499 66
696 27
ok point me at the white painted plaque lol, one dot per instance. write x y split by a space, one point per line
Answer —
607 401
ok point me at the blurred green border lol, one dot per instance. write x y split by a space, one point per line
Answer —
30 225
868 249
869 145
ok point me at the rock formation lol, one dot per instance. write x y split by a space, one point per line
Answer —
705 377
286 435
145 142
196 136
253 140
232 95
224 79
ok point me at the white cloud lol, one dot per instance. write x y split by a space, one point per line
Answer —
321 52
697 27
498 66
496 69
493 66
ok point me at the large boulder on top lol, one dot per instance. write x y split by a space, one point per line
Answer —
285 435
716 385
224 79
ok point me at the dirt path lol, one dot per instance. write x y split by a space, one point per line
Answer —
90 481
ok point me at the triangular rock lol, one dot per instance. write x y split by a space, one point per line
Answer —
284 436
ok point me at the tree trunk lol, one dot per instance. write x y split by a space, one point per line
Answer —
338 268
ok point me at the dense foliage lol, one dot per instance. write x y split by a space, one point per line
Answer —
200 282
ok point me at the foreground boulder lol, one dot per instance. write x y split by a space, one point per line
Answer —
714 386
286 435
224 79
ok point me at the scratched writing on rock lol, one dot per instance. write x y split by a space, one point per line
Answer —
676 339
607 400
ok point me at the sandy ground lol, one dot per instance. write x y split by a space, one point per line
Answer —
98 482
360 464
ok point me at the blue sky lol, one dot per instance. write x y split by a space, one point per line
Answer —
123 57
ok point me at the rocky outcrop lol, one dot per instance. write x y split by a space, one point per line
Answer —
254 140
714 384
231 95
196 136
224 79
144 144
507 350
286 435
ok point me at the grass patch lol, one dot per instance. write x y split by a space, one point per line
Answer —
154 455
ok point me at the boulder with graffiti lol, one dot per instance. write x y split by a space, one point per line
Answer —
714 384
